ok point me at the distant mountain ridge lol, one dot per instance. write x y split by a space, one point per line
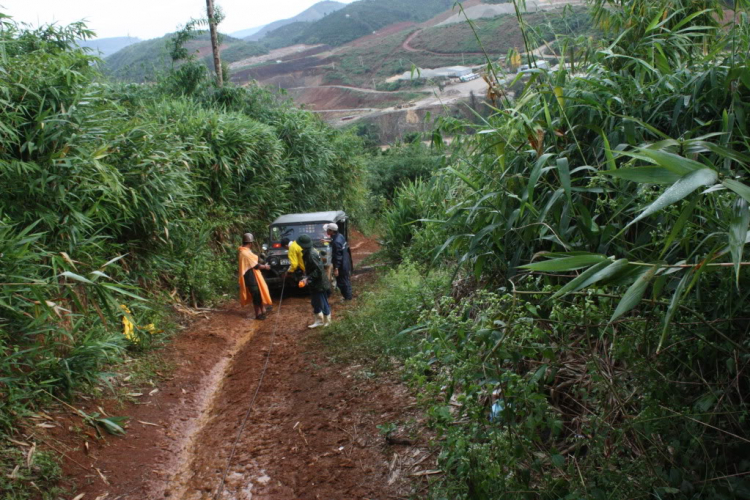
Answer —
107 46
142 61
314 13
355 20
246 32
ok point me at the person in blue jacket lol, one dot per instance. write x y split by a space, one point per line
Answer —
341 260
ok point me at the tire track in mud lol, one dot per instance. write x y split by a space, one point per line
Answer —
312 432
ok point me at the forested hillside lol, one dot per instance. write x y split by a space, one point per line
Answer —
104 47
144 60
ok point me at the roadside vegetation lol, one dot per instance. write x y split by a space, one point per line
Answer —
119 201
578 270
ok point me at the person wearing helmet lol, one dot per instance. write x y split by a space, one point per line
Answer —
253 287
341 259
317 282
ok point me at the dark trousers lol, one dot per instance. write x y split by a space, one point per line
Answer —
319 301
344 282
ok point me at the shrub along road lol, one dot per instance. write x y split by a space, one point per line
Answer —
312 432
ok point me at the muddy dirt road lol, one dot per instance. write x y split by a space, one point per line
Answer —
311 434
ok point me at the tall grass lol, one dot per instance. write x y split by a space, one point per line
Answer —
606 207
129 195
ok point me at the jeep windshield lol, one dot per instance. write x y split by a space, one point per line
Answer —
294 231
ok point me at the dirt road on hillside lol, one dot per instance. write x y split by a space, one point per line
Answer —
311 434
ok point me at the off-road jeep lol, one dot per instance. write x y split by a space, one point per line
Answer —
292 226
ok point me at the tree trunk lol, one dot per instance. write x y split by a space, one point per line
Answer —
214 42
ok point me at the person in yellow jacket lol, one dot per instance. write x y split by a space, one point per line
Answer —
295 256
253 287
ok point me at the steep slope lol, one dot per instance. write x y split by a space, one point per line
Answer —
314 13
107 46
357 20
141 61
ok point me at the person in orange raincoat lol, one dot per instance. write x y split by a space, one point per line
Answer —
253 287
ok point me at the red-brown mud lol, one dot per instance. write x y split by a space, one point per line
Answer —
311 433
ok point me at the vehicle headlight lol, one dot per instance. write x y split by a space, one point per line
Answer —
273 262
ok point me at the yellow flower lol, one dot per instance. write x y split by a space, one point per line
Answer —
127 326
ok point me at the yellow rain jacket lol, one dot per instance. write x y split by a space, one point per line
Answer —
295 257
248 260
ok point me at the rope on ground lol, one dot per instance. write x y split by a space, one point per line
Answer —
252 402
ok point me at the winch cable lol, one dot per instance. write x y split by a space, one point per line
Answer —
257 390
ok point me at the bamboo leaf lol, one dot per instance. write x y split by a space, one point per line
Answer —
573 284
566 263
634 294
608 151
739 188
645 175
77 277
679 224
110 262
121 291
564 170
676 163
737 234
607 271
464 178
673 304
679 190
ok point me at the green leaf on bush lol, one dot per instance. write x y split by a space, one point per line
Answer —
74 276
679 190
739 188
566 263
645 175
737 235
676 163
634 294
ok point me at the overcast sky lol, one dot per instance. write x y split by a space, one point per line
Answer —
150 18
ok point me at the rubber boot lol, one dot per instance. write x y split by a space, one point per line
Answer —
327 320
319 321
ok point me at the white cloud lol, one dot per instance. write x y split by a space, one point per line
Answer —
150 18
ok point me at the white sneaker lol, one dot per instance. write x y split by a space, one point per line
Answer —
327 320
319 321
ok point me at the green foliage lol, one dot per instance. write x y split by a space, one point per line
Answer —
400 164
117 200
526 400
151 59
604 209
379 328
24 479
